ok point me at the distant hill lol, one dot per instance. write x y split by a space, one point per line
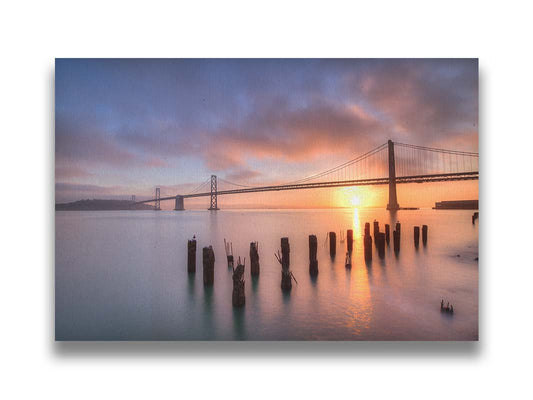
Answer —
102 205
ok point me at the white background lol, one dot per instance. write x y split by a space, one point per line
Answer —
32 34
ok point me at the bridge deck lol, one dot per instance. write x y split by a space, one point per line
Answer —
458 176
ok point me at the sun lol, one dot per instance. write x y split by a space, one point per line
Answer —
355 201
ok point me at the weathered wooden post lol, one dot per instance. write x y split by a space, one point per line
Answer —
348 260
381 244
332 244
209 265
387 233
399 230
313 262
191 256
367 242
238 299
349 237
254 258
396 238
284 260
424 234
376 232
229 253
416 234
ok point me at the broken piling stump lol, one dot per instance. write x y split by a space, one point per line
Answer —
387 233
229 253
381 244
313 262
238 299
348 260
349 237
475 216
208 259
191 256
332 244
254 258
416 235
367 228
424 234
284 260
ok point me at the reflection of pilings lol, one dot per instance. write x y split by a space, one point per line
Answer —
367 241
396 237
424 234
313 262
209 265
387 233
416 235
381 244
238 299
332 244
286 280
191 256
254 258
349 237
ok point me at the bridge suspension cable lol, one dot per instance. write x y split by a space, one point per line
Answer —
343 165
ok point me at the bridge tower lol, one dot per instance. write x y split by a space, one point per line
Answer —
157 199
179 203
213 193
393 200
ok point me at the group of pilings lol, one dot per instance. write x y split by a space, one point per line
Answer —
381 239
208 263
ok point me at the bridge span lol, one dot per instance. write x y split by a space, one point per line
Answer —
310 182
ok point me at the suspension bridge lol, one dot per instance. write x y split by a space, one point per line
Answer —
389 164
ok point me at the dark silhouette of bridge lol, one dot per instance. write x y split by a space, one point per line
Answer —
390 164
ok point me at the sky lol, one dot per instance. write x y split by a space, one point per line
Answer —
125 126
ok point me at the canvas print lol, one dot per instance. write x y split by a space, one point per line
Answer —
266 199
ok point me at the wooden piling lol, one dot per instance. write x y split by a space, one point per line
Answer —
208 260
399 228
349 237
332 244
381 244
254 258
313 262
348 260
286 279
396 239
387 233
229 253
238 299
376 232
416 235
367 243
191 256
424 234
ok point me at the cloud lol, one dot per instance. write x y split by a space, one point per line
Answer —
229 115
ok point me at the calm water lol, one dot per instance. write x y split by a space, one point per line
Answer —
123 276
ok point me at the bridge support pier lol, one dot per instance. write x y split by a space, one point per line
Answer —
393 201
179 203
